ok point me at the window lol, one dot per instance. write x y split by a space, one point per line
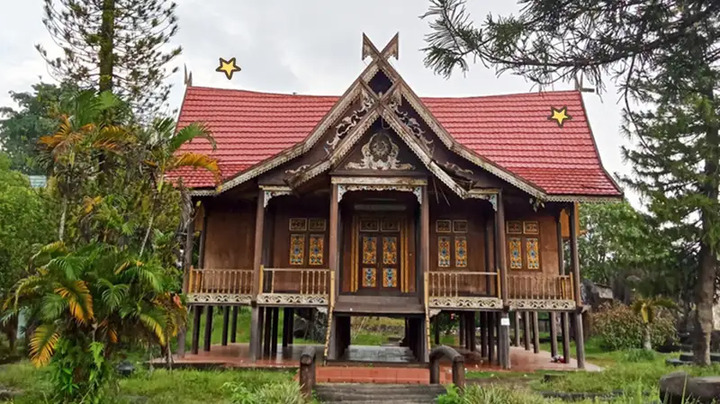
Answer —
307 241
523 245
452 243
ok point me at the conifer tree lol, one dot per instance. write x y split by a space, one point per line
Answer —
117 45
662 54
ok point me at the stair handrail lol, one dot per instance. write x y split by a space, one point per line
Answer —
307 371
458 365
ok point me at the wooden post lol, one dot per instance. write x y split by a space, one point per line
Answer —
565 326
267 332
233 324
188 211
436 330
497 338
306 375
553 334
274 337
291 322
461 330
197 315
208 329
255 317
491 337
575 257
526 330
504 340
334 348
286 327
536 332
516 326
483 334
470 324
226 323
500 247
424 267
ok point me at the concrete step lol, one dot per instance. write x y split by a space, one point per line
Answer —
688 357
377 393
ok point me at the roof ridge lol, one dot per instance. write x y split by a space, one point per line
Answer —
440 97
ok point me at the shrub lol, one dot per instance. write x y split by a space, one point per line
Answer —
617 327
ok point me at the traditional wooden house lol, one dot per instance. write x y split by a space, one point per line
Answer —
380 202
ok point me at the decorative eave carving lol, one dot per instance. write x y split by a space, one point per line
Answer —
347 184
542 304
289 299
349 122
460 302
271 191
380 153
218 298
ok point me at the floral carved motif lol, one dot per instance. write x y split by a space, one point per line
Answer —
292 299
210 298
465 302
412 124
541 304
349 122
380 153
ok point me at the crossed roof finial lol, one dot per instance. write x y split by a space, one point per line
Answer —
369 49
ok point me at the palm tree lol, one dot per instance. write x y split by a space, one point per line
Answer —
96 296
71 153
165 156
647 308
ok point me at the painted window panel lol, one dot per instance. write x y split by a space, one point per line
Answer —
369 225
461 259
443 251
390 225
389 278
389 250
369 278
533 253
515 249
316 246
369 252
297 249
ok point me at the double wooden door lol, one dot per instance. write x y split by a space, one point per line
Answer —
380 251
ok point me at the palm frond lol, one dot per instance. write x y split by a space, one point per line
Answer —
42 344
190 132
196 160
79 299
53 306
113 294
154 322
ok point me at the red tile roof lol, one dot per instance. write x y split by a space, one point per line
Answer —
512 131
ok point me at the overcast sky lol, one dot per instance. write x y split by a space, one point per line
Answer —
310 46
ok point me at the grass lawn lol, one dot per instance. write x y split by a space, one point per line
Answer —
159 386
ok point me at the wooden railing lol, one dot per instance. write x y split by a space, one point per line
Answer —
463 283
226 281
542 287
303 281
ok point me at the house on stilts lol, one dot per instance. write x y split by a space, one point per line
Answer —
380 202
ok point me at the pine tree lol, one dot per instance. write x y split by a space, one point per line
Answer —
116 45
660 53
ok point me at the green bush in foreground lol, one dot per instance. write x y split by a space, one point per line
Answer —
278 393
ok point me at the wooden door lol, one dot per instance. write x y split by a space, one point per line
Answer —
379 251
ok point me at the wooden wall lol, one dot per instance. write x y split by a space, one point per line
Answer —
230 235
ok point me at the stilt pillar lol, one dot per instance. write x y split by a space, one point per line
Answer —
483 334
579 341
436 329
565 326
536 332
553 334
197 316
491 337
470 324
504 340
256 316
267 331
233 324
226 323
274 336
516 327
461 330
575 265
526 330
208 329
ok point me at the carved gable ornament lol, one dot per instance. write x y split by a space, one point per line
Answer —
380 153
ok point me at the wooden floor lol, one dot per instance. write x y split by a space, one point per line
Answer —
237 356
378 305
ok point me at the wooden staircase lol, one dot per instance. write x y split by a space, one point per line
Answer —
378 393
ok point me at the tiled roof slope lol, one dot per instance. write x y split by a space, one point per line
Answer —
512 131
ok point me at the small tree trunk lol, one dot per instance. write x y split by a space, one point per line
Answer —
647 340
703 306
147 233
107 45
63 216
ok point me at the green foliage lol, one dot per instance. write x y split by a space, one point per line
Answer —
275 393
451 396
117 45
618 327
475 394
21 129
639 355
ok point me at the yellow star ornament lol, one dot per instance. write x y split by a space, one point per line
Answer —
559 115
228 67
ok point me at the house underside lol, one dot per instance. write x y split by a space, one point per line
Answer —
379 209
